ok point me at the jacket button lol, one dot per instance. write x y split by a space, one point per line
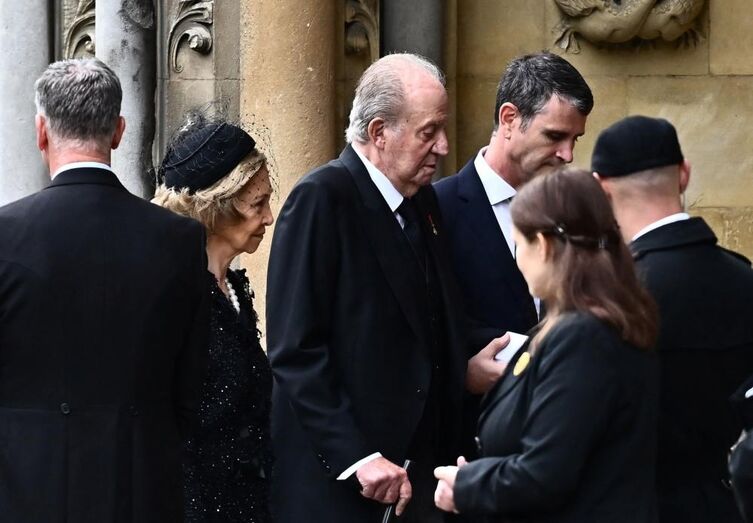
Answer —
65 408
133 410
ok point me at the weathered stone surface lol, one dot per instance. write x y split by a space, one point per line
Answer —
490 33
731 37
733 227
24 29
610 104
475 115
712 116
288 85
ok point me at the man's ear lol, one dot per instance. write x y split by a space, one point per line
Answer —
507 114
118 134
40 124
604 182
375 130
684 175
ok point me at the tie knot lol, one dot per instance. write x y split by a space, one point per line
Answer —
407 210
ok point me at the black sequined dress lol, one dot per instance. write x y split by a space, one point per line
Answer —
227 461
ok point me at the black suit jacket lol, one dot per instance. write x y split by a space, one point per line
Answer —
706 349
571 438
102 327
348 340
495 293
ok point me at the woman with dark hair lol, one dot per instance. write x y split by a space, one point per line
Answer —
213 172
568 433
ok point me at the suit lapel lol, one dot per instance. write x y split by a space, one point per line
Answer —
480 217
389 244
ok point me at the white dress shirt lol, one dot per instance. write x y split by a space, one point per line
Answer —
79 165
672 218
500 194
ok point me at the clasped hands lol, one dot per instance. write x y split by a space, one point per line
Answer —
385 482
443 495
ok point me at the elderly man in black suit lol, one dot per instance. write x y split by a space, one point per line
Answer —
706 314
541 108
102 324
365 341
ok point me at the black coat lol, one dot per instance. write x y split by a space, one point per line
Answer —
102 327
571 438
495 294
347 340
706 349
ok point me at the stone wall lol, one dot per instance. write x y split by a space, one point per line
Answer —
706 90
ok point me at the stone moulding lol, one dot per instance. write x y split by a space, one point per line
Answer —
362 28
192 26
79 38
620 21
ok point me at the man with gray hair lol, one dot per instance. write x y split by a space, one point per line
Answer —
103 320
363 333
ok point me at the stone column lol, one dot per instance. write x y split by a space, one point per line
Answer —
416 26
288 96
125 36
26 29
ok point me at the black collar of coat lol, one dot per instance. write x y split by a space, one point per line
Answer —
86 175
683 233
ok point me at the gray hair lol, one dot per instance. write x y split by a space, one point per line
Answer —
381 94
80 99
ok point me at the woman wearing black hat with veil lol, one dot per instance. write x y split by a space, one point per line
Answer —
212 172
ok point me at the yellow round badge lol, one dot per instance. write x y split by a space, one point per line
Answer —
521 364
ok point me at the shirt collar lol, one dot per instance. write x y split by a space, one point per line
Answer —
391 195
672 218
79 165
496 188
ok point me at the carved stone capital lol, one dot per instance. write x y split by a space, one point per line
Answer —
362 27
79 37
193 27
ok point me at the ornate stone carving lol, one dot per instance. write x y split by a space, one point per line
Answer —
193 25
618 21
362 27
79 37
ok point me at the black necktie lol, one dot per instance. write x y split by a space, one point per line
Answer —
412 229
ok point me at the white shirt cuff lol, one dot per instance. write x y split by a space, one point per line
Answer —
348 472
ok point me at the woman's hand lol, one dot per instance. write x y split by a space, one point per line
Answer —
443 496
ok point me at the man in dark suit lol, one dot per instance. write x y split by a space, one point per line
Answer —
102 325
364 337
706 314
541 109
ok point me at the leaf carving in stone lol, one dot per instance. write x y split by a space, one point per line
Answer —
192 26
362 28
79 38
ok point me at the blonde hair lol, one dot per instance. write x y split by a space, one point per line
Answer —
216 202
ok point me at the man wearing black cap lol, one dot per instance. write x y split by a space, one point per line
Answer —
704 296
103 322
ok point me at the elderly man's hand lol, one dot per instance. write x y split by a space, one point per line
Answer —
383 481
483 370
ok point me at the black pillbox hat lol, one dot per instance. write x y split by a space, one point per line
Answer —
634 144
206 155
